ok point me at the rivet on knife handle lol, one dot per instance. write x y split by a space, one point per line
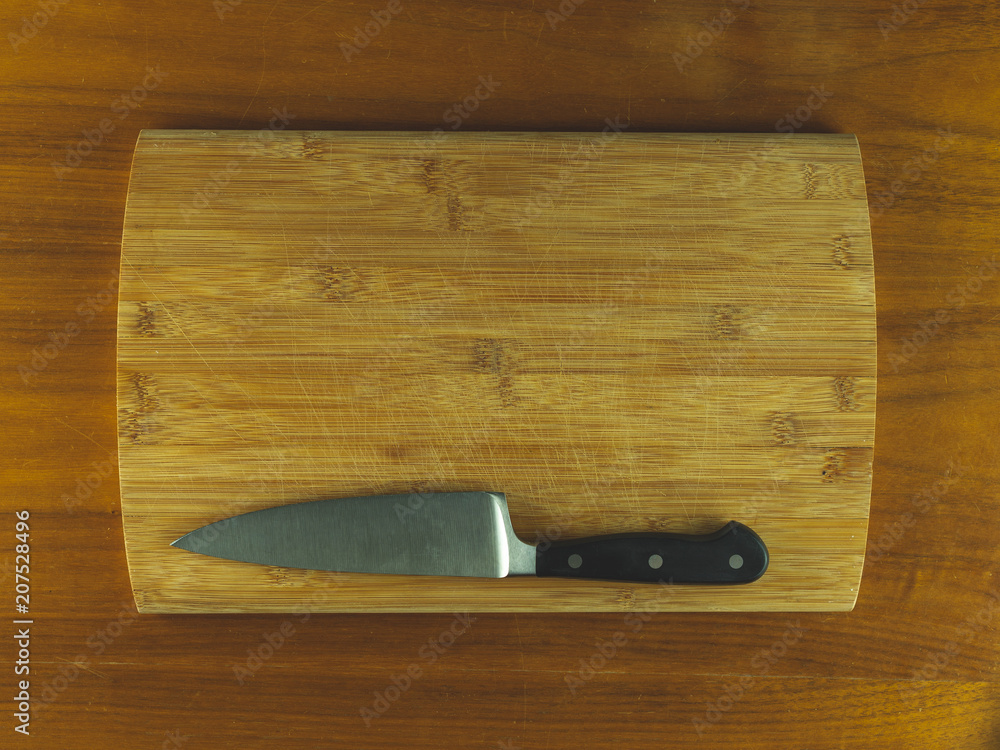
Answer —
733 554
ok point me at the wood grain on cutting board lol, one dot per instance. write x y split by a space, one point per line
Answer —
620 331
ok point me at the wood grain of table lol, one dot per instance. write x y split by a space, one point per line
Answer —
914 665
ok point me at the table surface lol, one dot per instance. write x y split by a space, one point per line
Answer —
914 665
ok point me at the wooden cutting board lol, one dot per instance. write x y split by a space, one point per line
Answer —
621 331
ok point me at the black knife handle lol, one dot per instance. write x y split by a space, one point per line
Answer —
733 554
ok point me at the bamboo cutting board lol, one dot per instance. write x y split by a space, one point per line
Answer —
622 332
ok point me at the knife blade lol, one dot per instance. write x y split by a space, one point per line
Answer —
467 534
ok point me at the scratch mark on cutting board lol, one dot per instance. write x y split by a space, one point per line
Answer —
238 432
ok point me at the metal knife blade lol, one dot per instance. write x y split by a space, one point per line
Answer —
466 534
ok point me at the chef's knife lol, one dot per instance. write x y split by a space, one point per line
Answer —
466 534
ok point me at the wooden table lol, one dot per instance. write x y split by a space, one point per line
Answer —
914 665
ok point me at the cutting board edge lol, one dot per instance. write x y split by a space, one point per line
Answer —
179 133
